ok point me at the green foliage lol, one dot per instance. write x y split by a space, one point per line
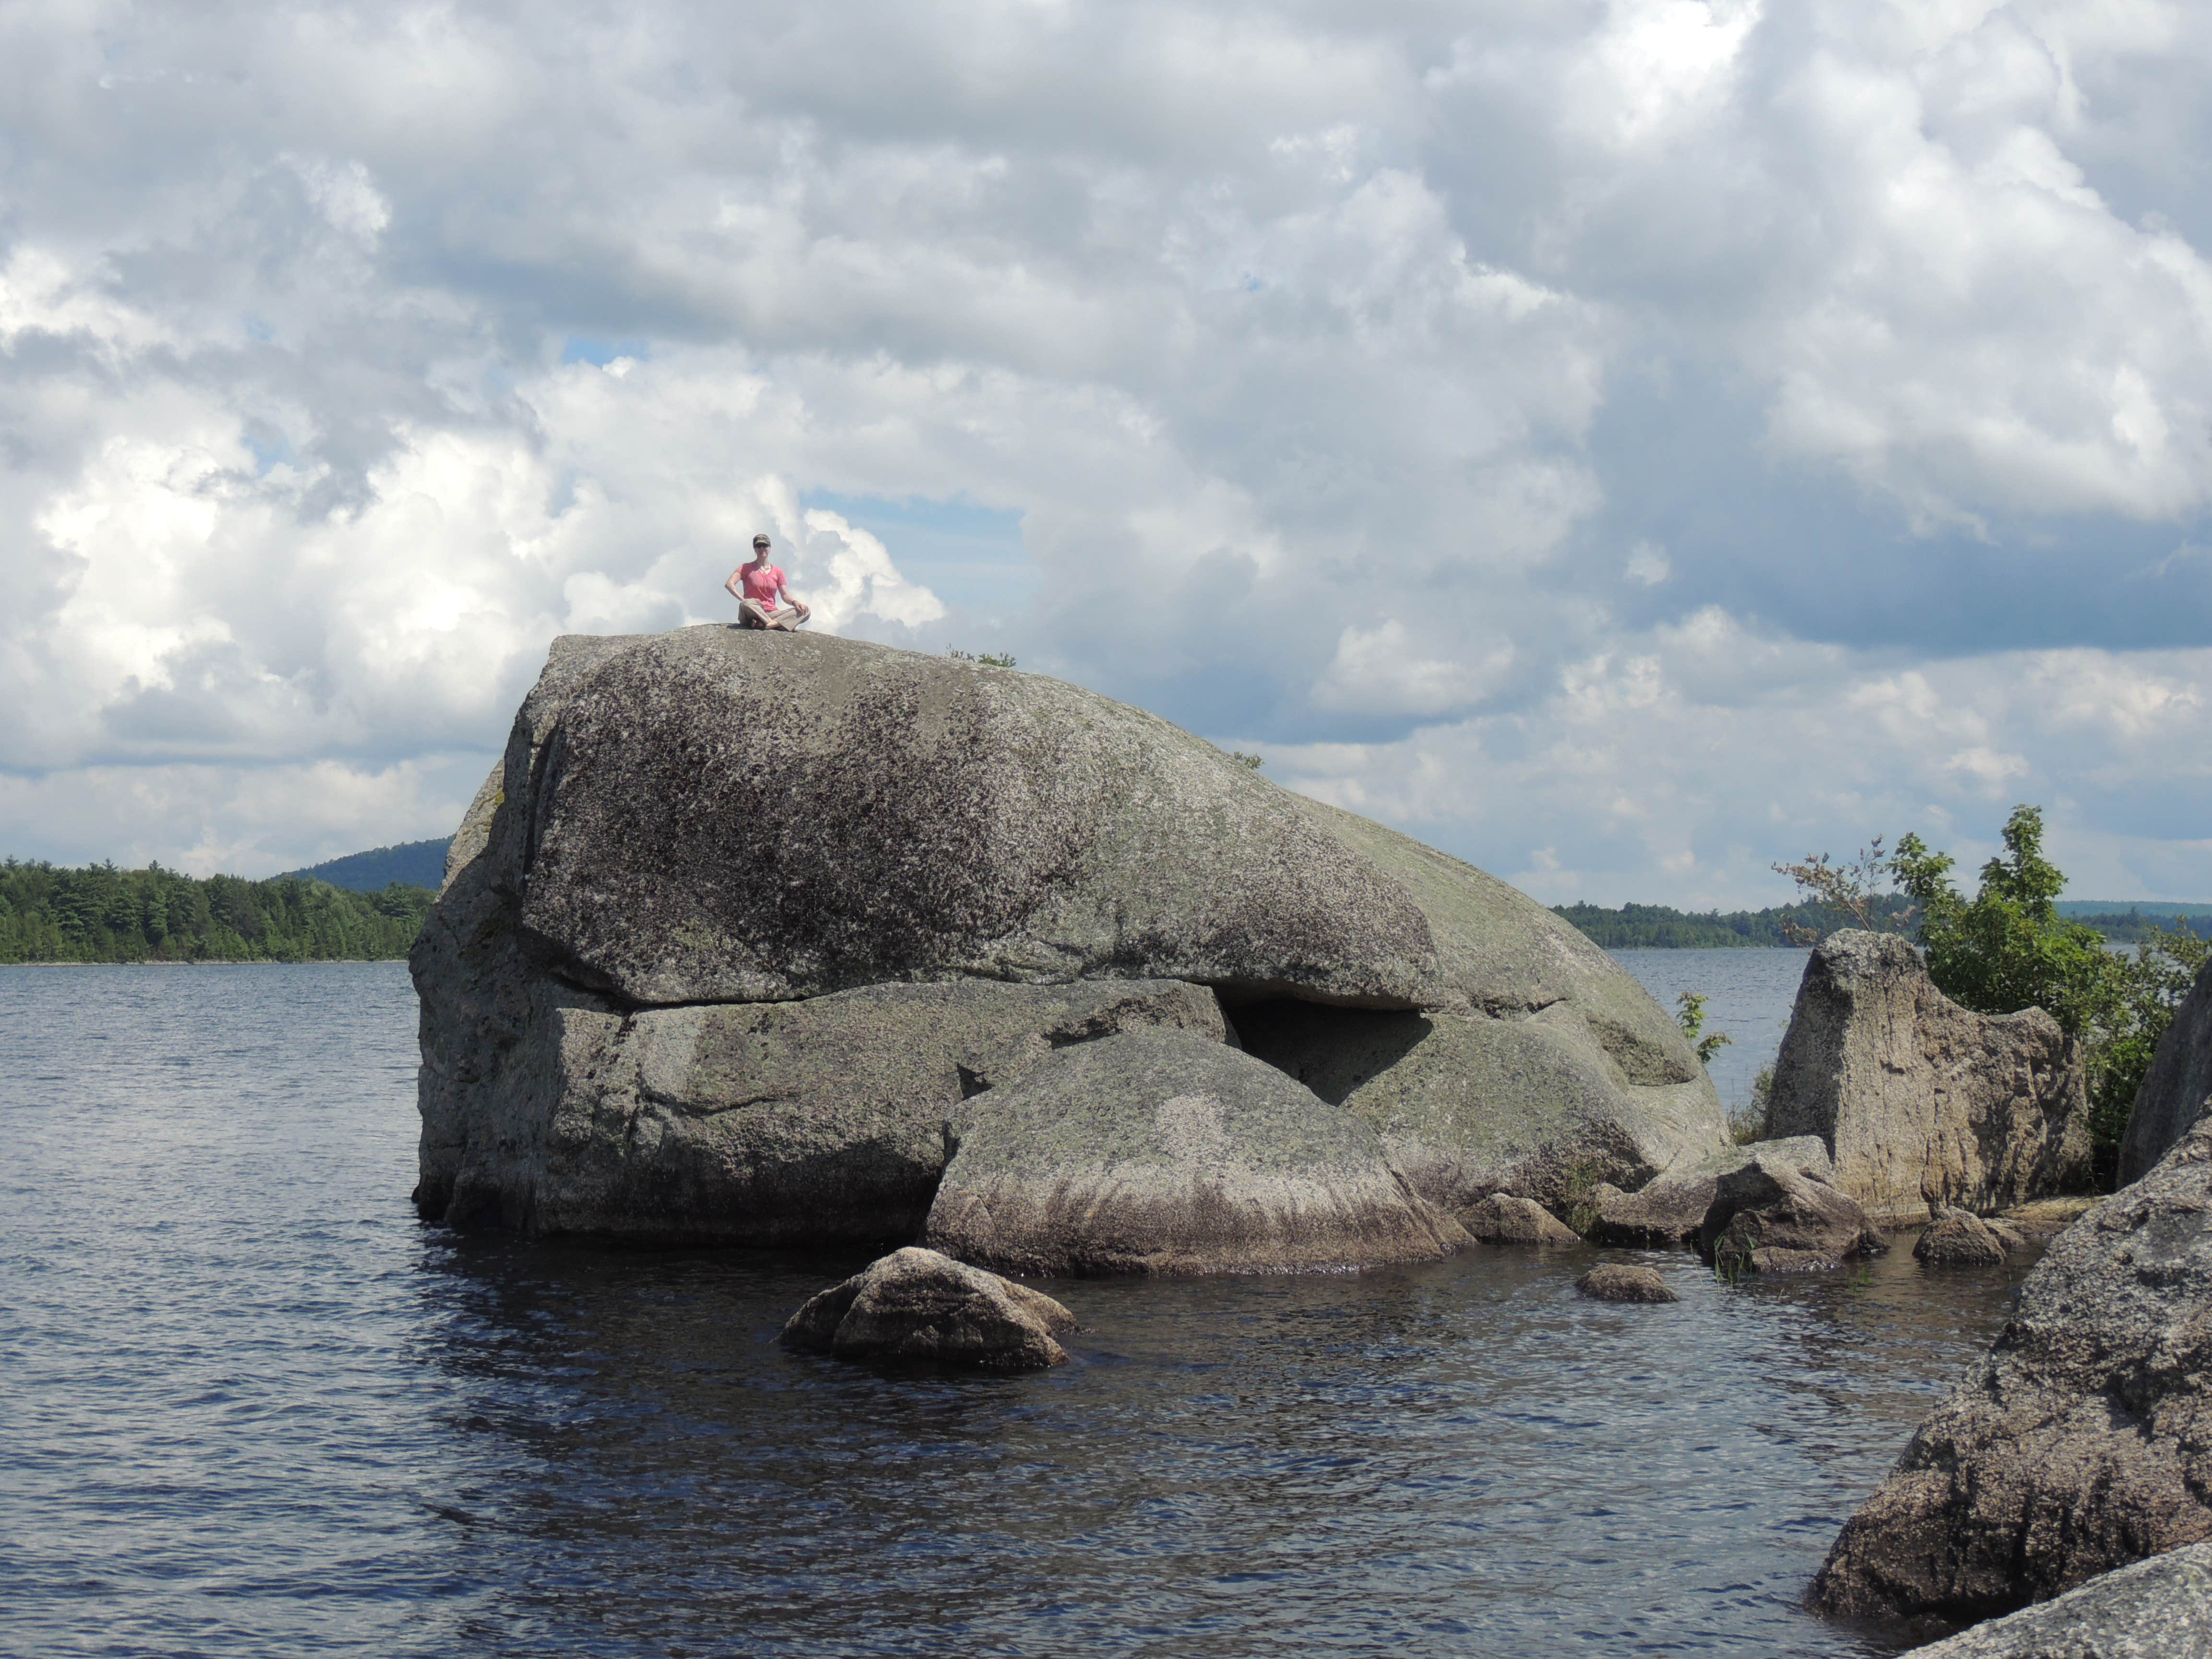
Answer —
1747 1124
1255 762
988 659
1690 1015
1846 894
2011 947
101 914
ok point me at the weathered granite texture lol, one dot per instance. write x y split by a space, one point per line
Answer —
1671 1208
1768 1215
1158 1152
713 819
2085 1442
1502 1219
770 1123
1920 1100
2178 1087
1960 1238
915 1304
1621 1281
2160 1608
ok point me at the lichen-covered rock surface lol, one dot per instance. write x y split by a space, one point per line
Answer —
915 1304
1158 1152
2178 1087
696 843
1920 1100
1625 1281
1502 1218
2085 1441
2160 1608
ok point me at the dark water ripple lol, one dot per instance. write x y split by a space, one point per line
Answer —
252 1408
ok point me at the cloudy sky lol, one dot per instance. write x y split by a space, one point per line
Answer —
1624 444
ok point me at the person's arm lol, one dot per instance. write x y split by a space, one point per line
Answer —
793 600
736 583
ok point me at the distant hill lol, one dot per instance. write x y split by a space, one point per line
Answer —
2158 910
412 863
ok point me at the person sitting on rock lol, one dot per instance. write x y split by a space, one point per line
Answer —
763 600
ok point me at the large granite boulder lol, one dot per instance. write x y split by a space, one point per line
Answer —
2160 1608
1159 1153
1670 1209
725 820
919 1305
1768 1215
2085 1441
1920 1100
2178 1087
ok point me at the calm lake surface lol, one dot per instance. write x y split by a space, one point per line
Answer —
253 1408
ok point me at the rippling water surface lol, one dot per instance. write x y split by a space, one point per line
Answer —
251 1407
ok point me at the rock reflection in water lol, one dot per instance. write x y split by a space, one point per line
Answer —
255 1409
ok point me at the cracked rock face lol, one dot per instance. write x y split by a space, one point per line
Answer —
2178 1086
2085 1442
742 918
2160 1608
1922 1102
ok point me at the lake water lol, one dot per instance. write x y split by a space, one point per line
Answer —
253 1408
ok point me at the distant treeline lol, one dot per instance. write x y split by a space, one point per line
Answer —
101 914
1646 926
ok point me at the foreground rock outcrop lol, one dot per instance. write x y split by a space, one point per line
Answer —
2084 1443
2160 1608
1159 1153
742 918
2178 1087
916 1305
1671 1209
1920 1101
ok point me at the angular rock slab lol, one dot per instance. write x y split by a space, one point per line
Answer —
1671 1207
1156 1152
1960 1238
1536 1104
820 1121
2160 1608
1920 1100
915 1304
2178 1087
2084 1443
1770 1217
1502 1219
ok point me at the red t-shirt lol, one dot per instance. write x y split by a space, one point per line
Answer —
761 583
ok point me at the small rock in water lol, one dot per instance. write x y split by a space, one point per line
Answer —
1502 1219
1772 1261
1617 1281
1769 1216
919 1304
1960 1238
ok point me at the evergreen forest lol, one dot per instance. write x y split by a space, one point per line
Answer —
102 913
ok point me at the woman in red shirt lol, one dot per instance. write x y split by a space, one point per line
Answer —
763 600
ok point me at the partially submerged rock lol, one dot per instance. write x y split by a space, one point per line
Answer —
2160 1608
2178 1087
1770 1217
1158 1152
1671 1208
1502 1219
1619 1281
1960 1238
2085 1442
1919 1100
916 1305
697 842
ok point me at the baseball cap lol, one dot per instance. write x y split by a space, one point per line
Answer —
760 540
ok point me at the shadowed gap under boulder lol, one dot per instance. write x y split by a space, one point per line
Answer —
1329 1049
